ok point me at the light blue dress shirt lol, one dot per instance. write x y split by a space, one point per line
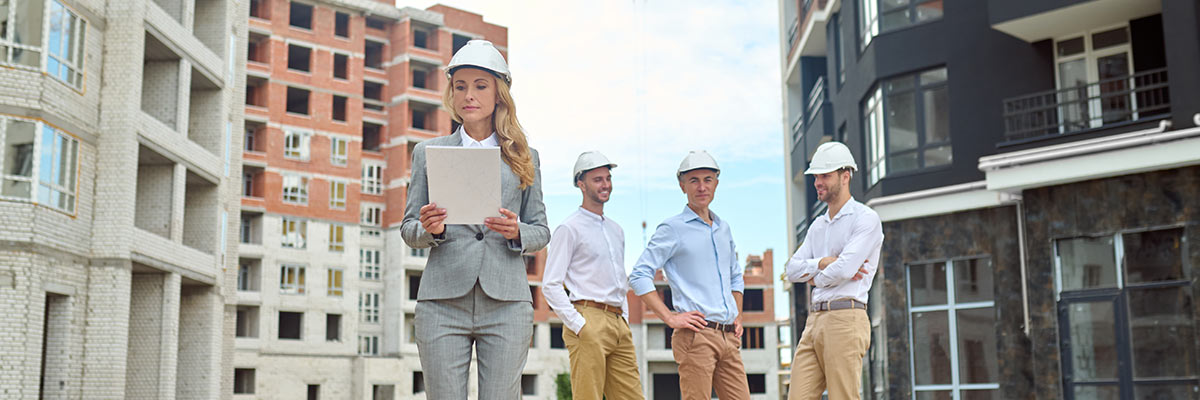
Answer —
700 263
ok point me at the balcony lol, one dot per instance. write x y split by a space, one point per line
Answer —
1095 105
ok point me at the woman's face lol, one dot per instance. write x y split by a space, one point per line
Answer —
474 94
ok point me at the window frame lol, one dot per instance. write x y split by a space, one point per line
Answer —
368 345
337 237
371 215
368 306
372 179
950 307
298 285
337 193
876 130
339 289
297 144
72 64
294 189
1118 297
39 188
369 264
871 16
339 151
296 226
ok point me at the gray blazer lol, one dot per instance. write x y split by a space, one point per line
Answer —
471 253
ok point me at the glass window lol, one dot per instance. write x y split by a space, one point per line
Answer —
337 195
368 261
291 279
65 45
295 189
368 345
21 32
953 329
372 179
52 157
371 215
881 16
333 286
368 306
295 233
1126 295
338 151
296 144
907 125
337 237
58 168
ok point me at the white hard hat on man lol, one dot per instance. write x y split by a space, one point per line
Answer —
482 54
697 159
830 157
588 161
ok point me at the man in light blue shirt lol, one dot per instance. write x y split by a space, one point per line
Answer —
696 252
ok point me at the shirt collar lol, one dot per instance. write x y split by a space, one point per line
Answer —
689 215
468 141
590 215
849 208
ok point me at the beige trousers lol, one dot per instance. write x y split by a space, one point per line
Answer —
603 362
830 354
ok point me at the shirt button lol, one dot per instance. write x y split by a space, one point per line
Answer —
479 236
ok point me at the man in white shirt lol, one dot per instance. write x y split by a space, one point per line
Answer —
586 255
838 258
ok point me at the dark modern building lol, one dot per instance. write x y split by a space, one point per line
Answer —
1036 164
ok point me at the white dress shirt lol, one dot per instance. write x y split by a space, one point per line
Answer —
587 254
468 141
854 236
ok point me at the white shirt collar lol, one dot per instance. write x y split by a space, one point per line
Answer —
468 141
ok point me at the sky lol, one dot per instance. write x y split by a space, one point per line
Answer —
644 82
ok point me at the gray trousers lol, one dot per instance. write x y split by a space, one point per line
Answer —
500 331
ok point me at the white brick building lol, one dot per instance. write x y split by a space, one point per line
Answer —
117 206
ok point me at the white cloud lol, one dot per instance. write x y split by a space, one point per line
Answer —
710 80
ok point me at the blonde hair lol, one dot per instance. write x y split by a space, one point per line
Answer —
514 148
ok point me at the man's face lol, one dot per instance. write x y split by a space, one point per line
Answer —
596 184
700 185
830 185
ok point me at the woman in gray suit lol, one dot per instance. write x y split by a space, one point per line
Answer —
474 292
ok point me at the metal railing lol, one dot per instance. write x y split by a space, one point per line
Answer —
797 129
816 97
793 32
1087 106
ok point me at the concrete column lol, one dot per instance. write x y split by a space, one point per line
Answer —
178 202
106 333
153 336
199 345
119 114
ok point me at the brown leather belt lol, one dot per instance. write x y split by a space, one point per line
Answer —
838 305
602 306
721 327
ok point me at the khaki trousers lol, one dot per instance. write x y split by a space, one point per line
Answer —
830 354
710 359
603 362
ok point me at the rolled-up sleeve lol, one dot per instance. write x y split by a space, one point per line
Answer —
803 265
658 251
736 283
867 235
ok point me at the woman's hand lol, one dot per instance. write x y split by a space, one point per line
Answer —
432 218
507 226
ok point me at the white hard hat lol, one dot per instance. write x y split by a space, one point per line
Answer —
482 54
830 157
697 159
588 161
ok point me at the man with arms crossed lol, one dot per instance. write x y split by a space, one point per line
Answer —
587 256
838 258
696 252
